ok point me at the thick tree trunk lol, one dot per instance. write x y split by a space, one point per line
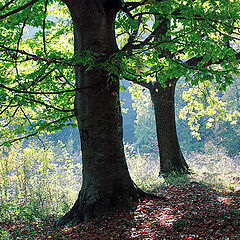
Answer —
171 157
106 180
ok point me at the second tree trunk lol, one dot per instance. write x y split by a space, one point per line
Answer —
171 157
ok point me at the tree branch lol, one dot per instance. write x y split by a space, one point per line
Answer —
140 82
11 118
195 60
38 58
18 9
130 45
43 30
36 132
6 5
49 106
6 108
25 115
18 45
129 6
42 93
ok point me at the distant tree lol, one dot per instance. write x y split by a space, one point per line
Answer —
43 85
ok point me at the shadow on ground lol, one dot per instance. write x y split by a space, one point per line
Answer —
192 211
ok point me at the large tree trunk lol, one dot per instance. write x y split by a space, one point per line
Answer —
171 157
106 180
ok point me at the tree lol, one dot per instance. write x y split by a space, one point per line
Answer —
44 86
106 180
174 56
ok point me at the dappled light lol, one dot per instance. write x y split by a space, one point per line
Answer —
191 211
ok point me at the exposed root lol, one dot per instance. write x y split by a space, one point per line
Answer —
143 194
87 208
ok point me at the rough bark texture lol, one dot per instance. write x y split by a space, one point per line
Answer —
106 180
171 157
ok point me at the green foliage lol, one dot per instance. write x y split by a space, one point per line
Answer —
29 65
145 126
204 102
203 113
33 181
158 41
5 235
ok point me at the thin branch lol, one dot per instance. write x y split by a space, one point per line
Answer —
14 61
40 79
195 60
140 82
11 118
6 108
49 106
18 45
43 30
6 5
222 33
37 58
130 45
62 75
25 115
42 93
18 9
129 6
18 139
134 33
37 132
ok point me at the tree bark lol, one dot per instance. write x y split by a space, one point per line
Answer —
171 157
106 180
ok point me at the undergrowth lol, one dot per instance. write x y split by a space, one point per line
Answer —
38 183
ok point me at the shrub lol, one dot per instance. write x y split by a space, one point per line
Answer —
36 182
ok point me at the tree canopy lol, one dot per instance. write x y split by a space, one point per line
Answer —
158 41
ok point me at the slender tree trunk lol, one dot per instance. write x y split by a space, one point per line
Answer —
171 157
106 180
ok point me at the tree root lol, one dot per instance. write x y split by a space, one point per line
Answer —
143 194
81 211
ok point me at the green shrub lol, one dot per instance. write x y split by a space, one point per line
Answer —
37 182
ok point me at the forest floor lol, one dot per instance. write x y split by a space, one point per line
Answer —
191 211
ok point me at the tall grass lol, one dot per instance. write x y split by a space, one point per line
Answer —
215 167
